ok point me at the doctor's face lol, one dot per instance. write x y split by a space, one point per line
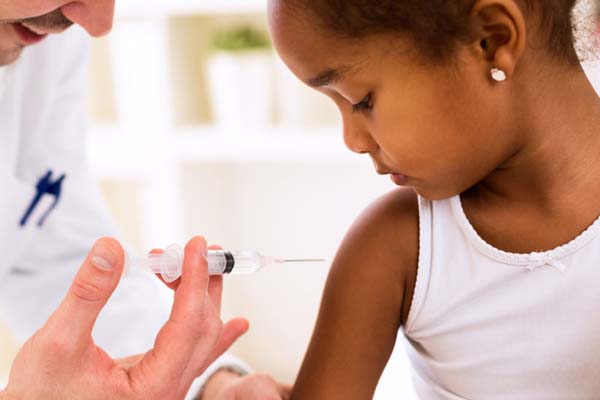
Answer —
27 22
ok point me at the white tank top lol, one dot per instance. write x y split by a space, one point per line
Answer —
2 78
5 75
486 324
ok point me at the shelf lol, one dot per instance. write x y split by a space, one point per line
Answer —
116 155
161 8
268 145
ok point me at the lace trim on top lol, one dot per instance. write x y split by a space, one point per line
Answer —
530 261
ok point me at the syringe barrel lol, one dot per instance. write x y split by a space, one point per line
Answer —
222 262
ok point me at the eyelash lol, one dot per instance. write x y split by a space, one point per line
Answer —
365 105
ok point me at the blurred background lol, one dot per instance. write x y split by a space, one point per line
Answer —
196 127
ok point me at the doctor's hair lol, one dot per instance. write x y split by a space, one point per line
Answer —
437 26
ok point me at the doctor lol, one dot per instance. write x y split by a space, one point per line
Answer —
50 216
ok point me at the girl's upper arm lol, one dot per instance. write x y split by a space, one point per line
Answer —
363 303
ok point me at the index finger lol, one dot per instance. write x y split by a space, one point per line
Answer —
215 286
178 338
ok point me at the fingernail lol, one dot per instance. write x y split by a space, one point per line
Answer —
203 252
102 258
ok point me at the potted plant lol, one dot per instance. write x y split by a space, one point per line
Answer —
240 72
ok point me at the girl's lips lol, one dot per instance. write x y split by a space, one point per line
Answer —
397 178
27 37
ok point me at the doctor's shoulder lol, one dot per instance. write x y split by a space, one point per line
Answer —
366 299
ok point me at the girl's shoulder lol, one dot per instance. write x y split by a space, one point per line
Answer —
366 299
386 237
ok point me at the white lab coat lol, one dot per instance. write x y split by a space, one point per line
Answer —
42 127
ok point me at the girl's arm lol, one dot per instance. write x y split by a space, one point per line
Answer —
365 301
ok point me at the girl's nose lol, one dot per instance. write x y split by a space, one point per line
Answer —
357 137
95 16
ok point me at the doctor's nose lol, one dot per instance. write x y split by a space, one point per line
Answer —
357 137
95 16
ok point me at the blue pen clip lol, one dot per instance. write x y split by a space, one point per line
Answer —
44 186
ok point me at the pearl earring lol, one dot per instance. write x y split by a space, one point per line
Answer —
498 75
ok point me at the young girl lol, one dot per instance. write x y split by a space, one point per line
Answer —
488 257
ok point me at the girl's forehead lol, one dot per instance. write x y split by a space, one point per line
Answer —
314 54
305 49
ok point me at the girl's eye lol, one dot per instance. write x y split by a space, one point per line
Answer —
365 105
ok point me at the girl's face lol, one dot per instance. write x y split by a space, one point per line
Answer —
438 129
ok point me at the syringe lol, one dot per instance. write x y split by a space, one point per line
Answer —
220 262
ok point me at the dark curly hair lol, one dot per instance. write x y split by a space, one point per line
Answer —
437 25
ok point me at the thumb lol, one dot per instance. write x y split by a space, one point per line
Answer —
96 280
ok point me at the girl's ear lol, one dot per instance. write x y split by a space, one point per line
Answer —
501 33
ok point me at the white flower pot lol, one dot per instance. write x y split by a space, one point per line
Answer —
241 89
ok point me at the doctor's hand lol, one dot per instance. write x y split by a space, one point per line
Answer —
226 385
230 385
61 360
